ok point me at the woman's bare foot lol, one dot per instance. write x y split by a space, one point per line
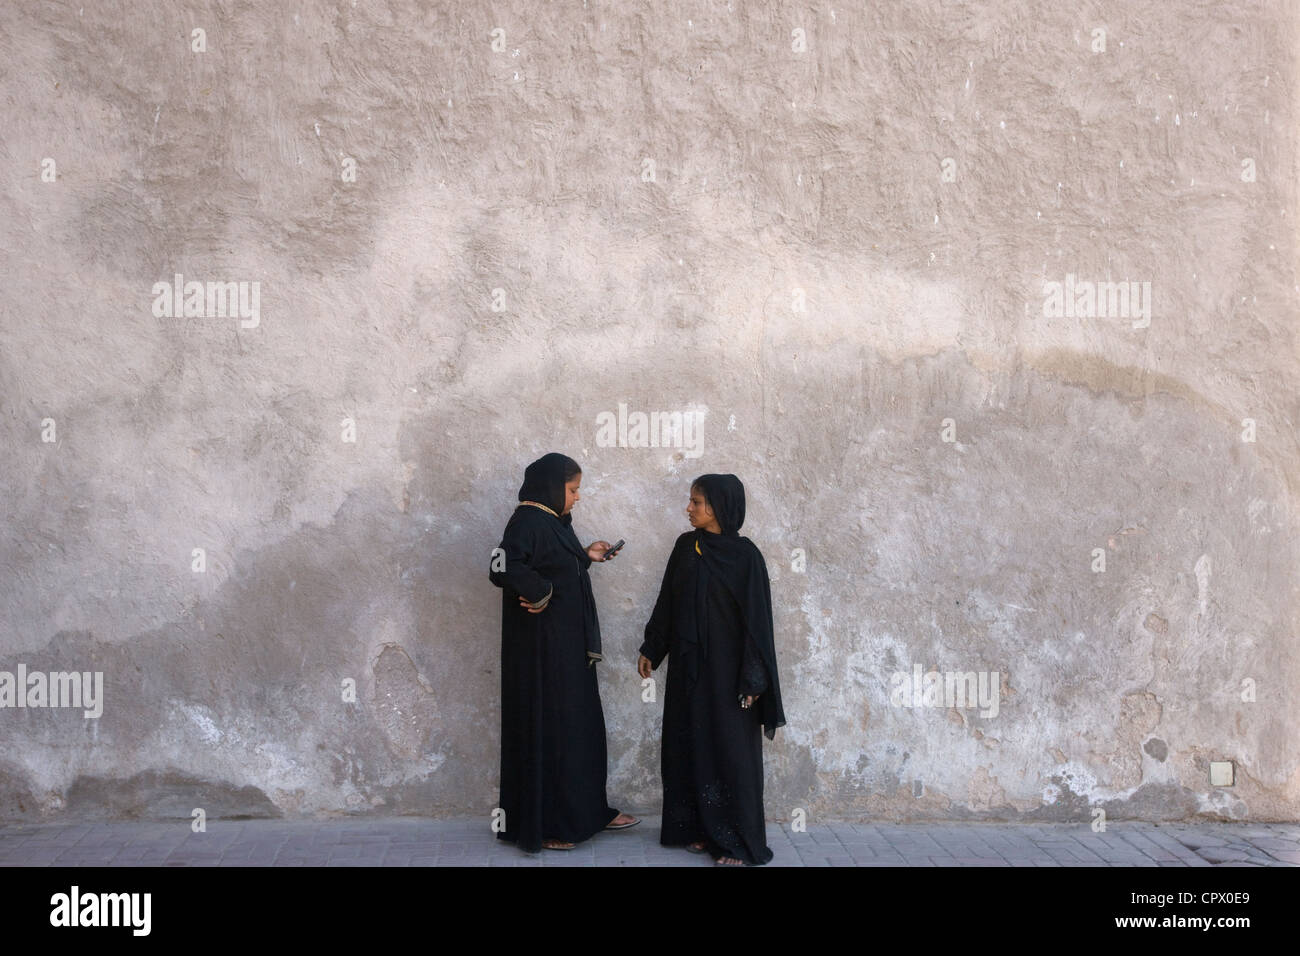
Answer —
697 847
557 845
729 861
621 821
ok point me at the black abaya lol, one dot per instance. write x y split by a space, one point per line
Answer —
553 756
713 621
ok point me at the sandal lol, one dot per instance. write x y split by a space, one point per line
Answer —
623 826
557 845
697 847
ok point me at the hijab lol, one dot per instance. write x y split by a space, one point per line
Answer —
544 482
739 564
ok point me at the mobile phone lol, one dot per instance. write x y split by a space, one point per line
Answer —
614 550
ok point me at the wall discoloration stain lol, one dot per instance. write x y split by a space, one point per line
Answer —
975 485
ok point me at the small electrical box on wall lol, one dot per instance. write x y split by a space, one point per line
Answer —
1220 773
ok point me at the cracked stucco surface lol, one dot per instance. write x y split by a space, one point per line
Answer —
780 178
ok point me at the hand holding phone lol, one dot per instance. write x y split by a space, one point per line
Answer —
614 550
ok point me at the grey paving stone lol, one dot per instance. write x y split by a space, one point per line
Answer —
1222 854
1198 839
469 842
1272 841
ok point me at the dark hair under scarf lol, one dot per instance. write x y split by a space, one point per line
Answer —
544 481
739 563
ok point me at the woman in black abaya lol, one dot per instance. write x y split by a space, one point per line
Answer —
713 620
553 759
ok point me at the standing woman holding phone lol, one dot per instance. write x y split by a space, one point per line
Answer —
553 757
713 620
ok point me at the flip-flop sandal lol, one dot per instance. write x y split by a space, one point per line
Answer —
557 845
622 826
692 848
734 866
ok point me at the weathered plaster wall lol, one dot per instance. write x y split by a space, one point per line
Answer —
827 251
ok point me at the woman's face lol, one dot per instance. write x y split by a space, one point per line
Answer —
571 496
699 512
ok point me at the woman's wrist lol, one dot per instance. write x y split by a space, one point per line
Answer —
537 605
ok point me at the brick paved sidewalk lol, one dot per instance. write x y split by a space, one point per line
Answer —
416 841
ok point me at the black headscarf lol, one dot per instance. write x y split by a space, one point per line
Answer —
544 482
739 564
